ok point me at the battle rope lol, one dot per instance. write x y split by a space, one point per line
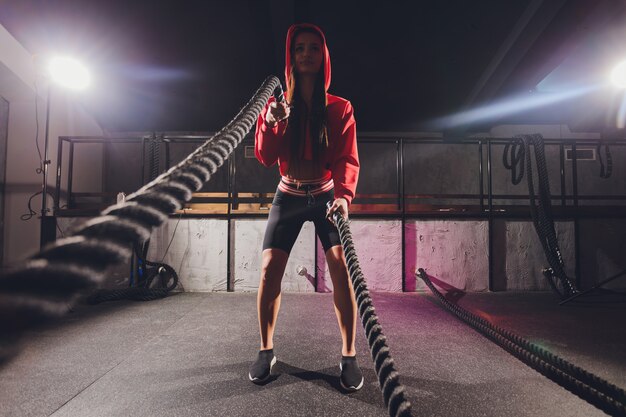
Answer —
388 377
605 173
49 283
512 158
541 210
154 156
591 388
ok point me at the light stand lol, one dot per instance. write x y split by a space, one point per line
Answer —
48 223
71 74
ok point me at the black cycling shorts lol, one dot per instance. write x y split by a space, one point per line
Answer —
289 212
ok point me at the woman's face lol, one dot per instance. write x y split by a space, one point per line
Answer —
307 53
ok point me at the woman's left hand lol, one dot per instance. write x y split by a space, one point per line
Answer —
340 205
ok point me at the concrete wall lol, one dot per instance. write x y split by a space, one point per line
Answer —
247 247
455 252
378 244
18 78
197 251
452 251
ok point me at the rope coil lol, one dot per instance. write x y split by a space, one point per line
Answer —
49 283
541 208
388 378
605 171
591 388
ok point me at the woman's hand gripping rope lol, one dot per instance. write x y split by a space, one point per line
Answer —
339 205
277 112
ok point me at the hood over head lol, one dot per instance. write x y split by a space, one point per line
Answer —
293 30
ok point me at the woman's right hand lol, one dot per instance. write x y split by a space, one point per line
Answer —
277 112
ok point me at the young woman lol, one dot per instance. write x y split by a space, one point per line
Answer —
312 136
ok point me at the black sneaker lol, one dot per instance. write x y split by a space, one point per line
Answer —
351 378
261 369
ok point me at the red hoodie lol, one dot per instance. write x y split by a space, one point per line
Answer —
271 145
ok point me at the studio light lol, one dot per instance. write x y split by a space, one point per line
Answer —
69 73
618 75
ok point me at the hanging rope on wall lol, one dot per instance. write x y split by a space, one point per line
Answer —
605 170
512 159
541 208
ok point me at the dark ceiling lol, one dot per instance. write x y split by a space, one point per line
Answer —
190 65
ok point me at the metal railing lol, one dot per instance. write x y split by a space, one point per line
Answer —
484 199
386 187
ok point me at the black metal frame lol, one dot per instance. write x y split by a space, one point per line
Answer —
491 212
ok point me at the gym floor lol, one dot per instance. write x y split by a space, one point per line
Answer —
188 355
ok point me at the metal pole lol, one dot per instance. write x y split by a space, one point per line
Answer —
57 192
46 162
562 173
490 216
403 213
70 177
45 234
577 272
480 176
230 284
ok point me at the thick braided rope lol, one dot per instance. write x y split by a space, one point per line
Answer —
49 283
591 388
516 156
605 172
542 214
512 158
388 378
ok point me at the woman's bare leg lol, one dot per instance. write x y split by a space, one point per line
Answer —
343 297
273 266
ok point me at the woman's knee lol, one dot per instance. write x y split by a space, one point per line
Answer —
335 258
273 265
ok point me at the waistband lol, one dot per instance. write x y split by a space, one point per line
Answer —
305 187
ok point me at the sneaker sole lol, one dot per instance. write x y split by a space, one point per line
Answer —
259 380
351 388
